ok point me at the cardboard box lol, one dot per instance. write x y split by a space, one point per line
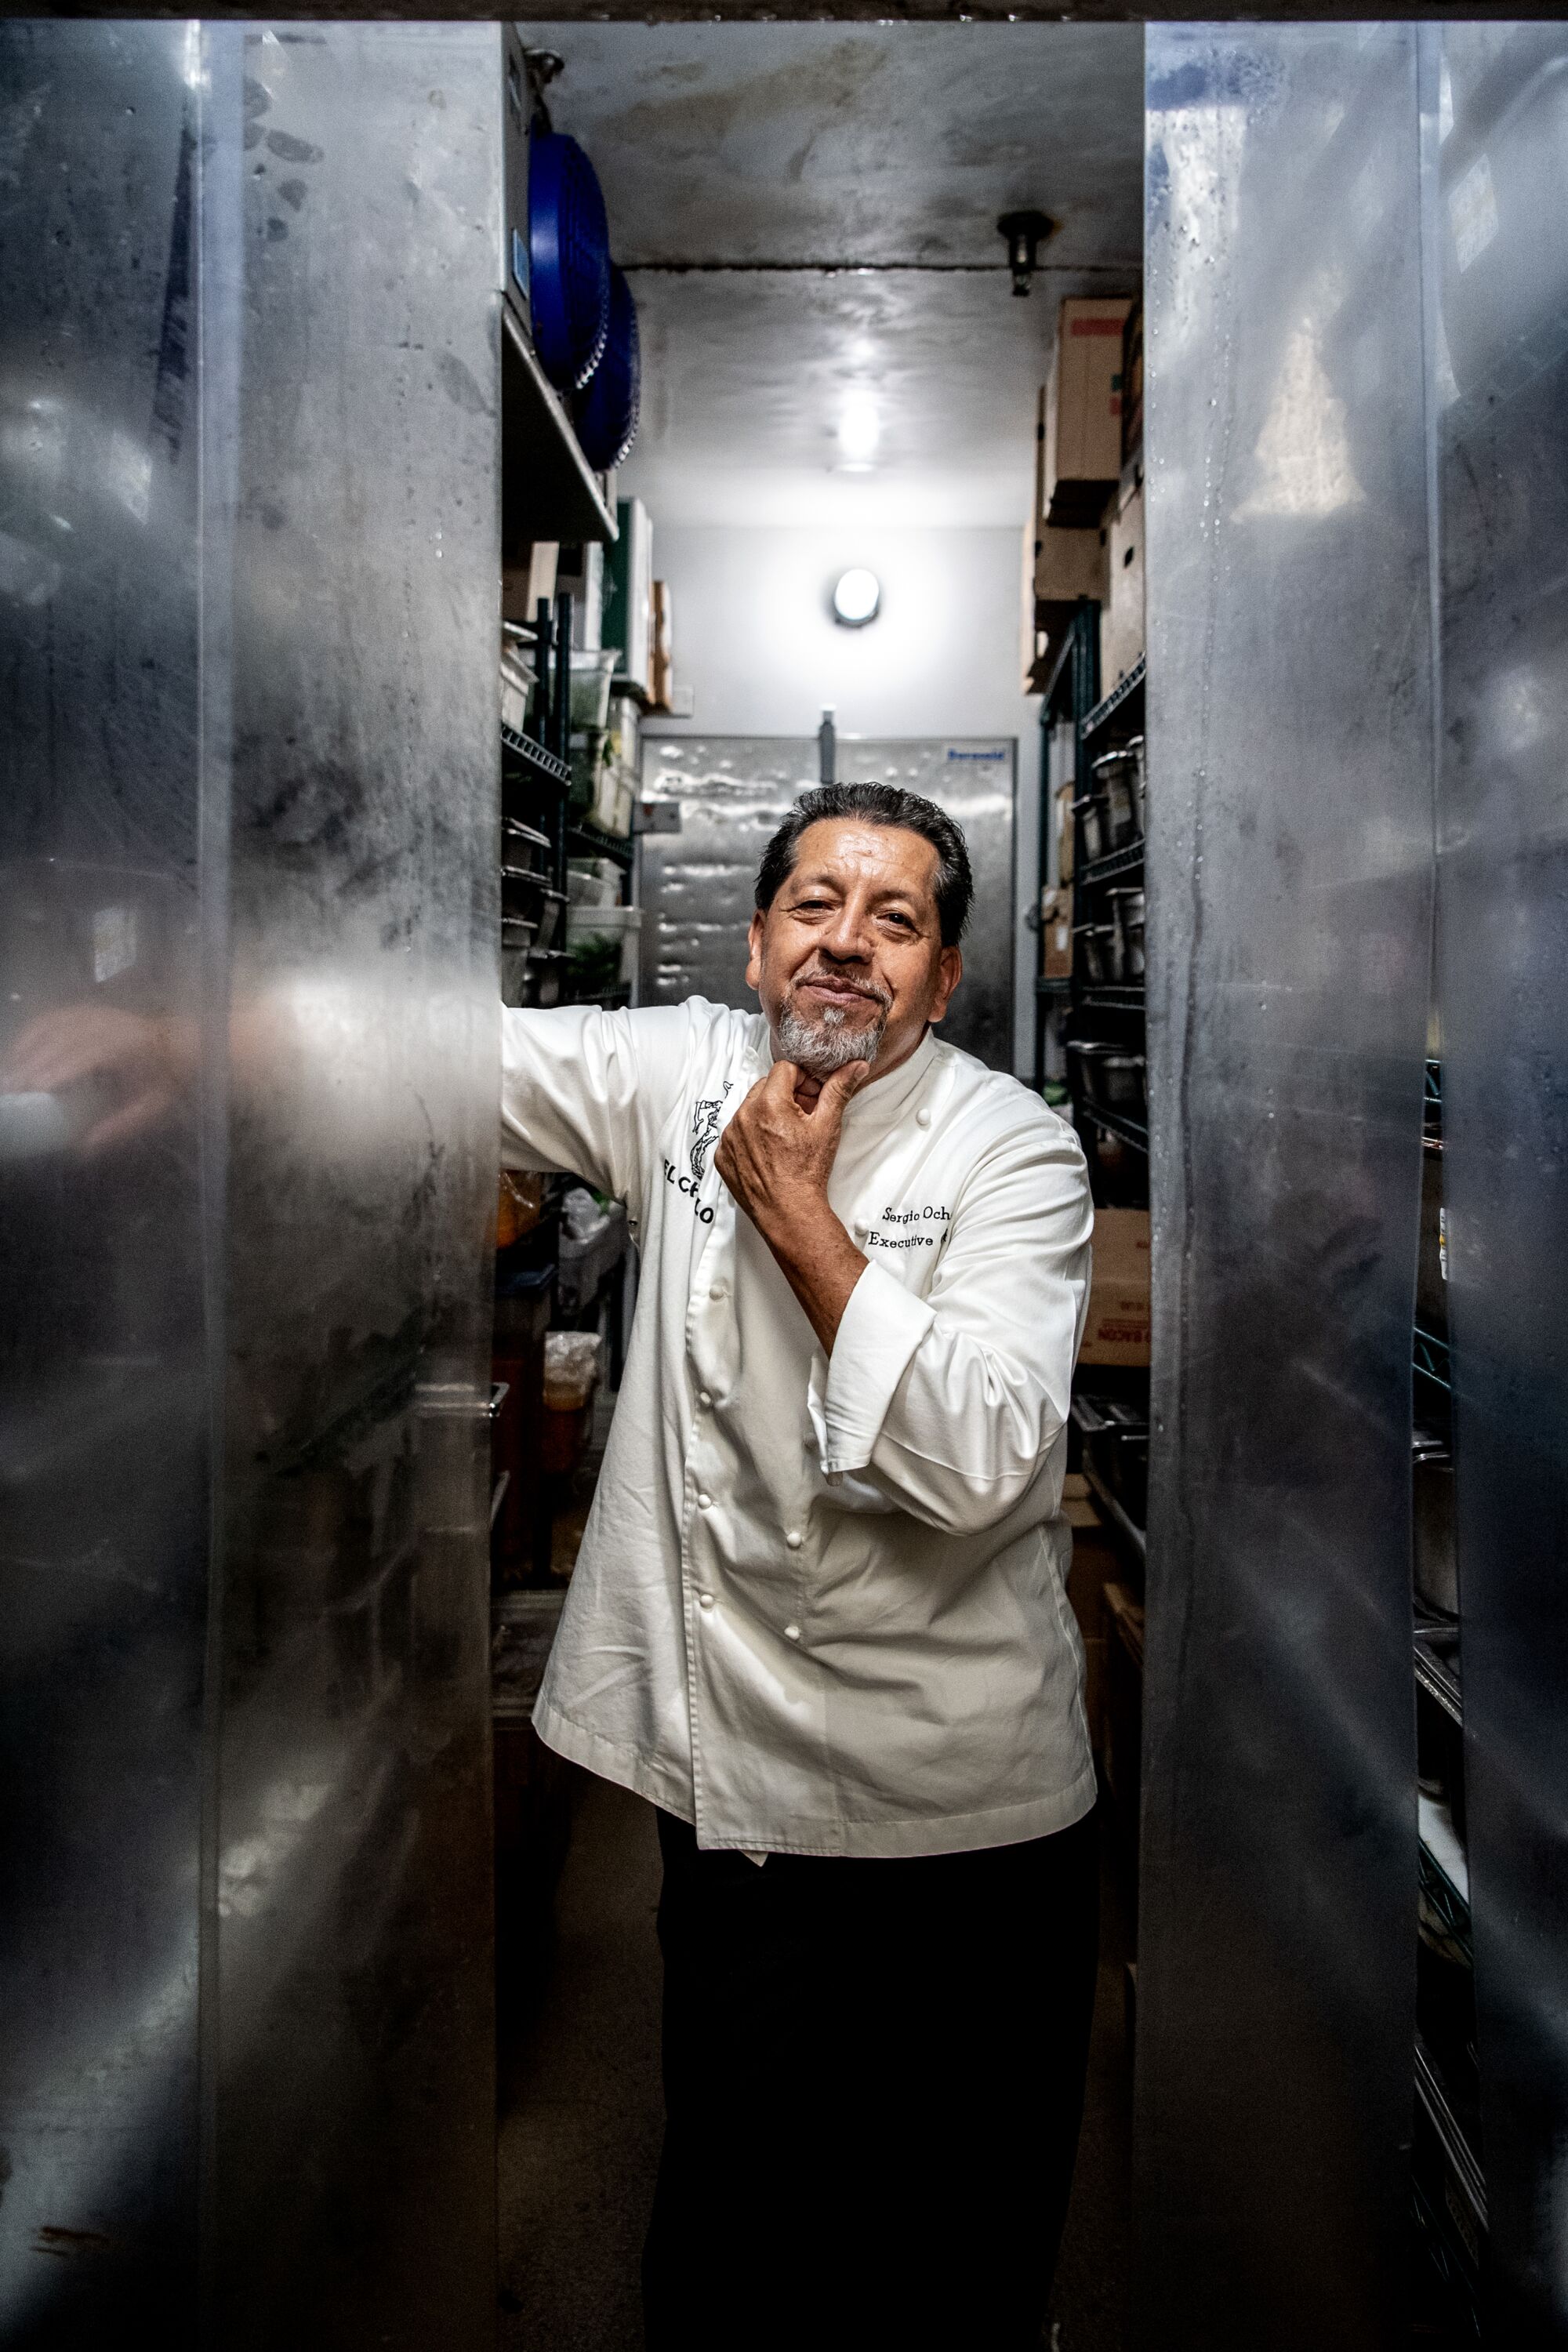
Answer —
1056 934
1082 445
1121 619
529 580
1116 1330
661 654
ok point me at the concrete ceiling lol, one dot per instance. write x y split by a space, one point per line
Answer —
807 215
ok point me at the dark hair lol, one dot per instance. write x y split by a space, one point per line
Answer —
876 804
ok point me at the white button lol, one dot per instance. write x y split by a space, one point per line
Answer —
703 1397
704 1502
705 1600
717 1291
792 1632
793 1539
922 1117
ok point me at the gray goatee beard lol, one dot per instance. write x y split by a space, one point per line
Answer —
826 1044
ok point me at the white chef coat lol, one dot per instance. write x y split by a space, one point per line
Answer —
820 1603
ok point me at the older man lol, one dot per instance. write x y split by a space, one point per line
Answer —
819 1617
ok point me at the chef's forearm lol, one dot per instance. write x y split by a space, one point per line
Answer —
821 1264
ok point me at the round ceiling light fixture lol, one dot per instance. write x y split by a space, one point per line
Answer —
857 597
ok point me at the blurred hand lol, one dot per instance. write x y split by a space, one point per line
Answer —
144 1064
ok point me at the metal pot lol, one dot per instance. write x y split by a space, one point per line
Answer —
1127 913
1113 774
1110 1076
1437 1559
1139 778
1088 816
1096 949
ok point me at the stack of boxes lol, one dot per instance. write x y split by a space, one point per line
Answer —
1086 538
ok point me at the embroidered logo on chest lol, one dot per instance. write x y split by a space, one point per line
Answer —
705 1118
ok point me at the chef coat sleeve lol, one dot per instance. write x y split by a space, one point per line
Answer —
952 1401
584 1090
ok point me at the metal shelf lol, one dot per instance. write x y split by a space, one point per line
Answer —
588 843
541 765
1064 655
1430 1355
1115 1512
1461 2158
1107 708
1439 1682
1106 869
1117 1122
515 830
1127 997
549 490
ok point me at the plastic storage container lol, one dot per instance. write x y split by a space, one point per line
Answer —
1127 914
621 924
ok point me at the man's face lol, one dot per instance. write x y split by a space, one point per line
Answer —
848 961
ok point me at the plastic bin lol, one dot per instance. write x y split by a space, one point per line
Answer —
622 924
591 676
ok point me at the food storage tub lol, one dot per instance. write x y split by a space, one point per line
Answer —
1089 821
622 924
1095 949
1140 774
1127 915
1111 1076
1113 775
591 676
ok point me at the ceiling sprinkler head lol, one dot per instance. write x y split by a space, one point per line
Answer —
1025 232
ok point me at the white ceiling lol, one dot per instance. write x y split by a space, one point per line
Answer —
807 213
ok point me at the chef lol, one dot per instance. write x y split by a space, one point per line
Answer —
819 1616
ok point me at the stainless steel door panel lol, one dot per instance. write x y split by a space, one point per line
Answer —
1290 736
1499 192
105 1465
249 560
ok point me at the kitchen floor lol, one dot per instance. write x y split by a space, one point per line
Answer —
581 2113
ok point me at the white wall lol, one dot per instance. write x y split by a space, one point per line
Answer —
755 639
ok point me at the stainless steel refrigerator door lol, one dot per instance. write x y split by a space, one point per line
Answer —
105 1461
1499 226
353 2192
734 791
1290 827
249 557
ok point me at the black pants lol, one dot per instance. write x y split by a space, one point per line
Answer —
873 2079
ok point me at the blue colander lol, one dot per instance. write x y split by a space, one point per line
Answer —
607 411
569 260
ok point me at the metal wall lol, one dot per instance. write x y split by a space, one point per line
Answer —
733 792
1499 226
1290 815
250 558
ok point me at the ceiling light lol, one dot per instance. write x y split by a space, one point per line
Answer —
860 429
1025 232
857 596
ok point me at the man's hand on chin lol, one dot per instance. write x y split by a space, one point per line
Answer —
776 1155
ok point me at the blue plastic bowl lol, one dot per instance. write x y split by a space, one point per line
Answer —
569 260
606 412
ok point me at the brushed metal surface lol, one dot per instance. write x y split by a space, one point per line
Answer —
104 1454
355 2073
734 791
1291 800
1498 218
249 558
